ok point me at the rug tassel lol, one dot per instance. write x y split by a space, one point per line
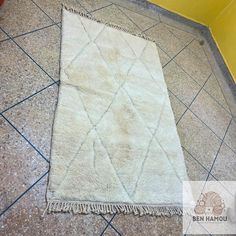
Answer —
102 208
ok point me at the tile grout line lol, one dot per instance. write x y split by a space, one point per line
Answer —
186 232
100 8
228 111
4 40
33 31
192 51
187 108
111 225
159 16
199 91
81 7
130 19
167 15
14 127
159 46
152 18
203 88
42 10
212 73
212 69
198 162
29 32
195 159
19 197
194 35
60 26
143 32
219 149
213 131
26 98
172 58
193 38
12 39
108 224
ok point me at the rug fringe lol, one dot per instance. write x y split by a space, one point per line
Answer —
72 7
103 208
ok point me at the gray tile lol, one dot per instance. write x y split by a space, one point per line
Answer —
110 232
22 16
211 113
164 58
181 84
51 8
224 166
165 39
20 165
194 170
198 139
59 26
178 24
178 107
230 138
141 21
198 50
114 15
44 47
197 228
133 225
25 218
183 36
3 36
194 66
20 77
225 80
211 178
92 5
138 8
34 118
213 88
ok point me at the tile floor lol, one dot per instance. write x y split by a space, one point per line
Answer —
30 51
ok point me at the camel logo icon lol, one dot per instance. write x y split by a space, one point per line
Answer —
209 207
209 203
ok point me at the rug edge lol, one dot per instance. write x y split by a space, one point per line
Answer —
76 207
67 5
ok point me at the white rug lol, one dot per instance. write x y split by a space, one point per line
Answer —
115 147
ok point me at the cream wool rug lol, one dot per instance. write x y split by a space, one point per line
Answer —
115 148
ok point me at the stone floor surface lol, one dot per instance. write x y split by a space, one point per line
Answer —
29 59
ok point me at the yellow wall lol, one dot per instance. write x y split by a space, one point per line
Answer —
202 11
223 29
218 15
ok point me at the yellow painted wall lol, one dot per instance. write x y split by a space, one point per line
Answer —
218 15
202 11
223 29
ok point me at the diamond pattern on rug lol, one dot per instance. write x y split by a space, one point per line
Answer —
113 114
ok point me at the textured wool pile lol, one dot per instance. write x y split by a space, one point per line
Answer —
115 148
